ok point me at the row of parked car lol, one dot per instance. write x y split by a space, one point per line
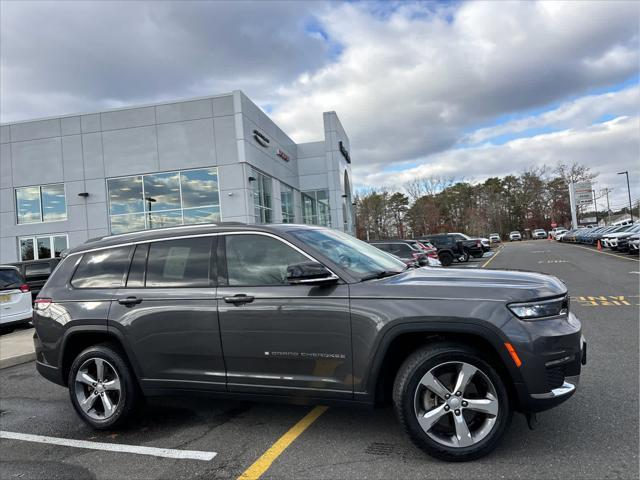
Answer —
20 283
435 250
622 238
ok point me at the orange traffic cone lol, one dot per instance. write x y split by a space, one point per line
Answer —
599 246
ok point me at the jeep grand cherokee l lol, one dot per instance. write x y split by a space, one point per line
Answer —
305 314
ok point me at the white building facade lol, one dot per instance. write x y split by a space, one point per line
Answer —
64 180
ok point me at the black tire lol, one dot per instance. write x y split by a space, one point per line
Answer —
404 390
130 395
446 259
464 258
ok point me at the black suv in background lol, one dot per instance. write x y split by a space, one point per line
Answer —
305 314
457 244
36 273
407 253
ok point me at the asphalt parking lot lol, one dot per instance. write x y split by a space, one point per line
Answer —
593 435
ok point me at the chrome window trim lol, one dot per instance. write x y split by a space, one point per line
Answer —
210 234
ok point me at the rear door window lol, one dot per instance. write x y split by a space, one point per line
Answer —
179 263
10 278
103 268
37 269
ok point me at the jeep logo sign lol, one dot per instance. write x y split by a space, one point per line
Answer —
282 155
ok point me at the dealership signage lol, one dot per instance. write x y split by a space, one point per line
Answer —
282 155
583 193
344 152
261 138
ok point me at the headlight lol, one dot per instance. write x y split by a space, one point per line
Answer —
541 309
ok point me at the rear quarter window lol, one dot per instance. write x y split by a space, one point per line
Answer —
103 268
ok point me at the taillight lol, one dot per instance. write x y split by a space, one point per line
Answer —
24 288
432 255
478 243
42 303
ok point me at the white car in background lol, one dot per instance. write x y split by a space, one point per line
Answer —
15 297
539 233
558 231
494 238
515 236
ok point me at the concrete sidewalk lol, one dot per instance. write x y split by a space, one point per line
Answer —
16 348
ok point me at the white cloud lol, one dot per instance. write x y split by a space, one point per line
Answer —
580 112
607 148
410 85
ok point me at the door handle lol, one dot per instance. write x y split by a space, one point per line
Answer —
129 301
239 299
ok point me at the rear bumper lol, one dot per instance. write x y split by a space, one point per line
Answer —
16 318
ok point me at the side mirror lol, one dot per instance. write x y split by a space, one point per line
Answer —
309 273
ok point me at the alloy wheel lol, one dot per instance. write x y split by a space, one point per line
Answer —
456 404
98 389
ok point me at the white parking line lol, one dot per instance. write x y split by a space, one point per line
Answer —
112 447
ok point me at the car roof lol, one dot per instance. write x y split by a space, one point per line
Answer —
182 231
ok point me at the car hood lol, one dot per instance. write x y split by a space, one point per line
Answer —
469 284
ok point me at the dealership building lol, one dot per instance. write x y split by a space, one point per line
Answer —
217 159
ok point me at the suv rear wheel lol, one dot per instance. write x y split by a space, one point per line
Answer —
446 259
102 387
452 403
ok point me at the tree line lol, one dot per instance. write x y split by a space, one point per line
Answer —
533 199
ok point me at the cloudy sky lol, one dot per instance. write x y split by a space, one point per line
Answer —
468 89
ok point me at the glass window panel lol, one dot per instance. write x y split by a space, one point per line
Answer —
324 210
26 249
59 244
201 215
199 187
256 260
54 207
44 247
309 213
102 268
125 195
262 197
28 205
286 198
161 191
179 263
37 268
127 223
169 218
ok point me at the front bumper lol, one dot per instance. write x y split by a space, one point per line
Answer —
552 360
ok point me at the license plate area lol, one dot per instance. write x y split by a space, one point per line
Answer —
5 298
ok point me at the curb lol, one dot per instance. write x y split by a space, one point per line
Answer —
17 360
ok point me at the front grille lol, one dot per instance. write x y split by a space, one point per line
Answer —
555 376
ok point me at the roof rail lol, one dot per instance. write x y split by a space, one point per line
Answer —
164 229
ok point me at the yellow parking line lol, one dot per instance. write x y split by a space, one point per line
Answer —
492 257
262 464
607 253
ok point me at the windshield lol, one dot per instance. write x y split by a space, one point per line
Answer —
357 257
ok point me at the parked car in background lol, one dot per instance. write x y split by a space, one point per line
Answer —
494 238
539 233
558 231
515 236
15 297
611 239
428 249
456 245
483 242
412 257
36 273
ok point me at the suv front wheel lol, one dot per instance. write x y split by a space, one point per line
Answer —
102 387
452 403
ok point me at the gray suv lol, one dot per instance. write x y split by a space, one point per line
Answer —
305 314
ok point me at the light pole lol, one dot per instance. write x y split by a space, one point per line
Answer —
626 172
